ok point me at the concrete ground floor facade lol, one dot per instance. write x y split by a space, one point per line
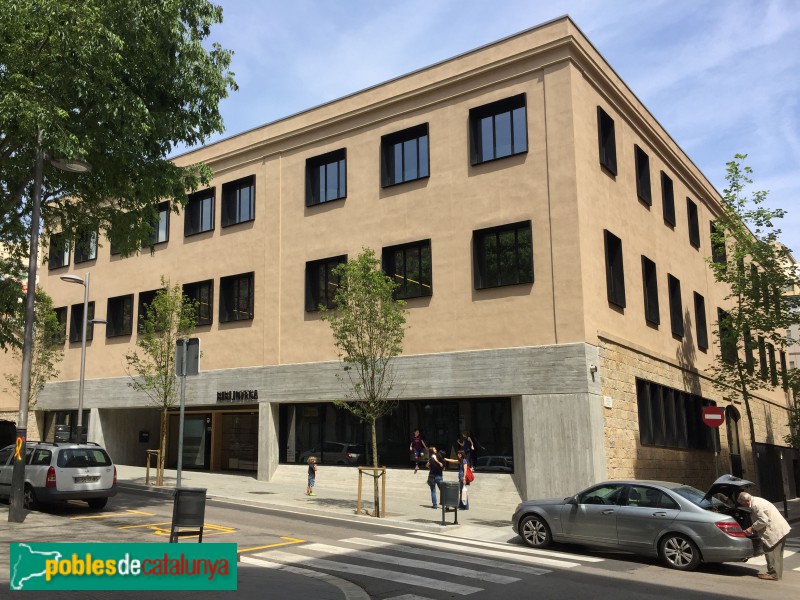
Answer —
572 414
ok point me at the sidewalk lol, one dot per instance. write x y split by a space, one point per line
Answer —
493 497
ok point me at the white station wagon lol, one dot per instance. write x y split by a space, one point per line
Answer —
61 471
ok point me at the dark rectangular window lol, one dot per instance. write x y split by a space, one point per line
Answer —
773 368
199 215
236 297
58 255
239 201
718 252
76 322
675 305
409 265
615 273
762 359
202 293
145 300
161 225
321 283
700 321
643 190
326 177
694 223
119 316
404 156
650 285
498 130
503 255
667 199
607 141
85 246
749 346
671 418
784 373
728 338
60 335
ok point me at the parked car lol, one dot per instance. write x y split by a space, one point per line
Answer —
678 523
335 453
61 471
498 464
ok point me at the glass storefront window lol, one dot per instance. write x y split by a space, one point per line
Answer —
334 437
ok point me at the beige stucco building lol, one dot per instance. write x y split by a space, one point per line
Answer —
549 236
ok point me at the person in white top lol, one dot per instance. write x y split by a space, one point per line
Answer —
773 529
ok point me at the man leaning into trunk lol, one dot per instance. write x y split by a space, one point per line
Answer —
773 529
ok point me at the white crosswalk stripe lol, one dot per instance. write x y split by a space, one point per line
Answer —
410 562
382 574
507 547
473 560
762 560
507 555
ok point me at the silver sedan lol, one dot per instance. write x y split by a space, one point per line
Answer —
678 523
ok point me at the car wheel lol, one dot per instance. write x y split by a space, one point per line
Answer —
29 498
97 503
535 532
679 552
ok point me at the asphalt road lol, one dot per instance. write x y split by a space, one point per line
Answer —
283 554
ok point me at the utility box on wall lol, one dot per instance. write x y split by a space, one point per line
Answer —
144 436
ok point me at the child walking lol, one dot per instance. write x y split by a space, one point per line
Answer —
312 474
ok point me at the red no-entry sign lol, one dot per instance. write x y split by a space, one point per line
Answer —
713 416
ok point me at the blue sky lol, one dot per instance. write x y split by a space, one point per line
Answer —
722 77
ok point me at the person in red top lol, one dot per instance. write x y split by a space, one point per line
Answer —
417 448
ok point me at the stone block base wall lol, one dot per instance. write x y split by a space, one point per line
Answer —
619 366
34 426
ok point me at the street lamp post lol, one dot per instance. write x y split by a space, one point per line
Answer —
16 512
85 283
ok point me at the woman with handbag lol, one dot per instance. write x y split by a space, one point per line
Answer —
464 478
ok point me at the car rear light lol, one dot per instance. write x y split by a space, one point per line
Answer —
51 478
115 475
731 528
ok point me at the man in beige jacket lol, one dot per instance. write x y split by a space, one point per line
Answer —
773 529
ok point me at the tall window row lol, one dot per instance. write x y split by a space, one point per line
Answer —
671 418
502 256
606 140
236 299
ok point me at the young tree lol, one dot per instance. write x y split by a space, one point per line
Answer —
151 366
119 84
749 259
47 350
368 326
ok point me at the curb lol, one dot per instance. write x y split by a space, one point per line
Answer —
320 512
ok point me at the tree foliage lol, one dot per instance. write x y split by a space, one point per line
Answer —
117 83
47 349
756 269
151 365
793 383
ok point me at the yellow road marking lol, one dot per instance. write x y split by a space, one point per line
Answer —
127 513
288 543
209 529
145 525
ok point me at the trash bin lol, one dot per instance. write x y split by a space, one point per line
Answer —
188 511
450 497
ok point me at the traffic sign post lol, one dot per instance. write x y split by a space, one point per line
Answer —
187 362
713 416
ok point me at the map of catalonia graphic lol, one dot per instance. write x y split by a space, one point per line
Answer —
32 560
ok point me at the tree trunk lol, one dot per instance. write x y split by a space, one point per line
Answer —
746 398
375 464
162 450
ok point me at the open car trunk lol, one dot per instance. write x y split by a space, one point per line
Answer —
721 498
